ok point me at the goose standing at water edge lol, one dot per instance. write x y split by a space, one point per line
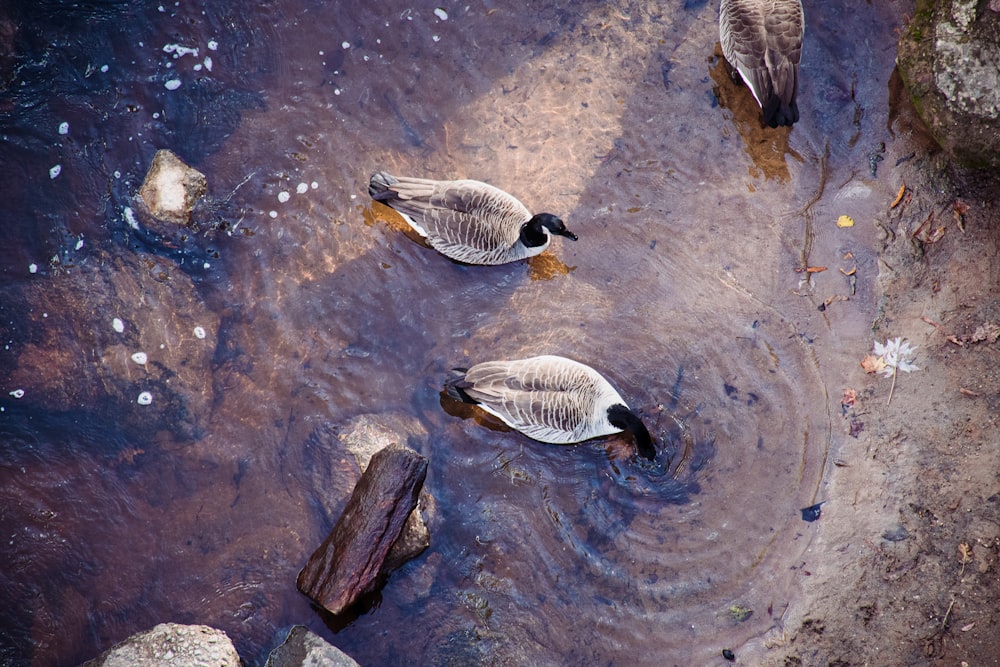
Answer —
468 221
762 39
550 399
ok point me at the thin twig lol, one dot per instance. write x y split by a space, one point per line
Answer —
946 615
895 371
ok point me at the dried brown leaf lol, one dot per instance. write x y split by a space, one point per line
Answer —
850 396
987 331
872 363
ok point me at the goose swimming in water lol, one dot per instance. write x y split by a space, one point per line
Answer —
468 221
762 39
550 399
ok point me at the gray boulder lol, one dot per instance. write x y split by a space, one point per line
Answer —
949 59
172 645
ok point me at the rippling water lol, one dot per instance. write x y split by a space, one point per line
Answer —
682 290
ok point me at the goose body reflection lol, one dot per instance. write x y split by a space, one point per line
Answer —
762 39
469 221
550 399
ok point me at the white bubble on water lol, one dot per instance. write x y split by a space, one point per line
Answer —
301 188
172 84
64 128
130 217
345 45
283 196
32 268
213 45
55 171
314 185
273 214
441 13
140 358
17 393
145 398
199 332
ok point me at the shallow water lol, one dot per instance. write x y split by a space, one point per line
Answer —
683 290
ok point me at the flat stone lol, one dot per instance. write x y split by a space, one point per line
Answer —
351 561
304 648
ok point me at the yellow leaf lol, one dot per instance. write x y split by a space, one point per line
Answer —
845 221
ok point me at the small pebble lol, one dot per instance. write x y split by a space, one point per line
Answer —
145 398
213 45
32 268
199 332
64 128
118 325
345 45
441 13
172 84
139 358
55 171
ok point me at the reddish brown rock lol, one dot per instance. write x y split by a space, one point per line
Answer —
351 562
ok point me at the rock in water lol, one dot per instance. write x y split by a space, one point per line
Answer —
351 562
171 188
172 644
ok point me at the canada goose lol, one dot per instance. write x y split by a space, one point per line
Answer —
551 399
469 221
762 39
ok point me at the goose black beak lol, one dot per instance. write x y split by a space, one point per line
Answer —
568 234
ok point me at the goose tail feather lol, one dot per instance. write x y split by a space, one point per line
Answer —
456 384
378 186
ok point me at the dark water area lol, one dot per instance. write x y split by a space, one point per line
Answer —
292 307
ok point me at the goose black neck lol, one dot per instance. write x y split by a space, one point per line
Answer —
533 233
620 416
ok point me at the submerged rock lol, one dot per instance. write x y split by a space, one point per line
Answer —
303 648
124 341
172 644
171 189
949 59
